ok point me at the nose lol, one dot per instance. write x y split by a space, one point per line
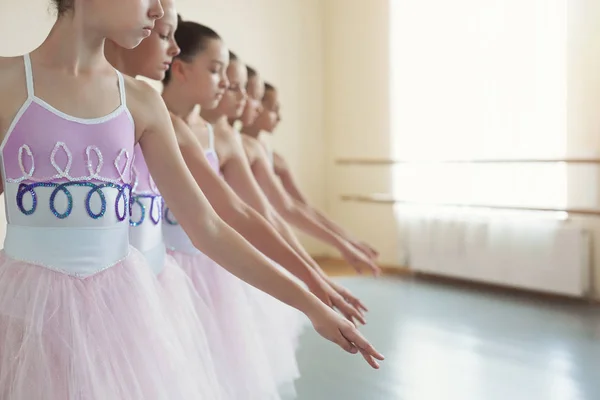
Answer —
224 83
156 11
174 50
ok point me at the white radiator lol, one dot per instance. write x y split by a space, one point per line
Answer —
549 255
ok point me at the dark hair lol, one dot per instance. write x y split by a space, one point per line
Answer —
268 87
191 37
62 6
251 72
233 56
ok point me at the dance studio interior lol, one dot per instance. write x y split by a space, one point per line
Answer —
460 140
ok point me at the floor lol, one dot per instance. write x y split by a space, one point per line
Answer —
445 342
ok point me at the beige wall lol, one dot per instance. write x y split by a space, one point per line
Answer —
358 117
280 38
584 116
358 114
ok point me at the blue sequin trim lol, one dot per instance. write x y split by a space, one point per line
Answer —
155 201
170 220
124 191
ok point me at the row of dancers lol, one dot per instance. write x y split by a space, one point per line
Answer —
149 249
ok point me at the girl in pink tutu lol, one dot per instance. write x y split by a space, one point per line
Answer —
258 116
191 317
80 313
267 120
197 77
275 320
150 60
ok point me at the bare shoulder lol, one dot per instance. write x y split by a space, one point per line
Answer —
178 123
12 78
140 92
13 89
144 103
253 146
226 133
185 135
279 160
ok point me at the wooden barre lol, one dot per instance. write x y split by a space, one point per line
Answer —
385 199
384 161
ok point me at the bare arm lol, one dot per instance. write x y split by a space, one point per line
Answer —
214 237
291 186
251 225
287 179
297 214
239 176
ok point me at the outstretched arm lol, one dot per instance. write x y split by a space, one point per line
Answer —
297 215
291 186
213 236
251 225
238 175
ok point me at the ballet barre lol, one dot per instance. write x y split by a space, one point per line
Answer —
390 161
387 199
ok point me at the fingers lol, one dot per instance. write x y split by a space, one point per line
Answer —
351 314
346 345
360 305
354 336
369 359
348 310
355 301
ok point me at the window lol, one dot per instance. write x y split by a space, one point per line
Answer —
479 79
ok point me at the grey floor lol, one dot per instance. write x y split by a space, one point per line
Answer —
444 342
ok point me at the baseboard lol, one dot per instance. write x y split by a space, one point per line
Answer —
339 267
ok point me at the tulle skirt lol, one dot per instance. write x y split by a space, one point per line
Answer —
105 337
281 326
194 324
249 371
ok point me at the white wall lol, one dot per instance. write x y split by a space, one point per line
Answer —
280 38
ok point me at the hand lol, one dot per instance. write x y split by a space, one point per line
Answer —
323 290
348 296
358 260
368 250
342 332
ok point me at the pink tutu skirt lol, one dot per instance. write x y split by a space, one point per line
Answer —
248 370
194 324
281 327
105 337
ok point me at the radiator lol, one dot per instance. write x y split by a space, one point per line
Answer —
548 255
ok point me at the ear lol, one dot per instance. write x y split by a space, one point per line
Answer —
179 69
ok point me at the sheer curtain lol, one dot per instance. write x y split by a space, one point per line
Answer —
479 79
484 80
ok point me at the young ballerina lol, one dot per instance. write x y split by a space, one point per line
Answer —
191 317
292 211
196 78
149 60
79 311
268 119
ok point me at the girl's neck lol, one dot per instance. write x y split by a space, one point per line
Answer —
214 117
114 54
251 131
179 105
73 48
